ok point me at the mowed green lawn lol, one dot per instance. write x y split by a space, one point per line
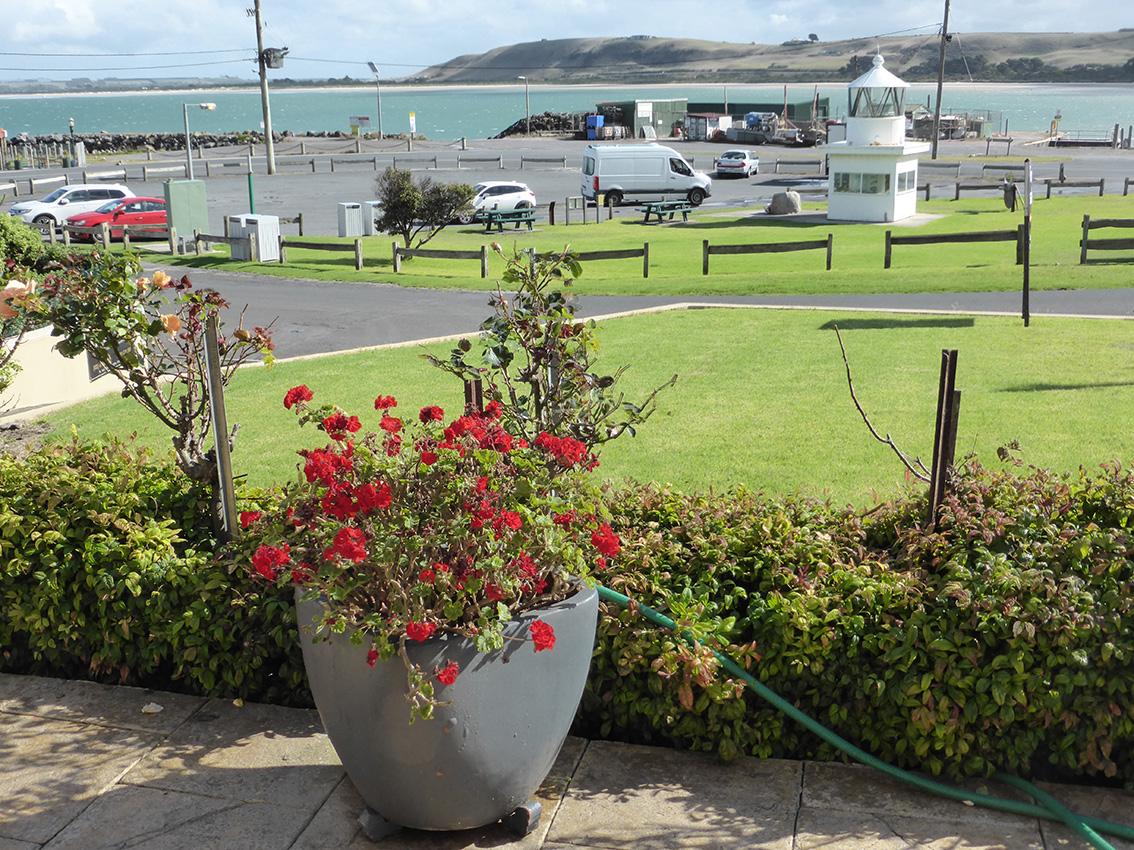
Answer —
761 399
675 253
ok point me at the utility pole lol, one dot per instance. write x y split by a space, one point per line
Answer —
945 38
378 84
269 143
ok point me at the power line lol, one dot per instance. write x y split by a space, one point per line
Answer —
132 67
115 55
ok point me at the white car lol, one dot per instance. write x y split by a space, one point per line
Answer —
738 163
66 201
499 196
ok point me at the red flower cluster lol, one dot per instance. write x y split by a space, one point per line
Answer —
372 657
448 675
385 402
249 517
431 413
390 424
267 560
543 636
606 541
349 544
567 451
324 465
337 425
420 631
297 394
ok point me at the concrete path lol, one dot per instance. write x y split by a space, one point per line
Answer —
316 317
84 767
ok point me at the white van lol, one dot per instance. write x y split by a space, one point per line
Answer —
641 171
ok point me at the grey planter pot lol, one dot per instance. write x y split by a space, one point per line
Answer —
483 755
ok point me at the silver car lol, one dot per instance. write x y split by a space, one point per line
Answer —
738 163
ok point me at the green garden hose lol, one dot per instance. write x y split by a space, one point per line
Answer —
1045 806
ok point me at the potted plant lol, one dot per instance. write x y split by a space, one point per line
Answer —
443 562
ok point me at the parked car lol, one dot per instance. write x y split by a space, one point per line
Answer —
651 171
54 209
738 163
499 196
131 211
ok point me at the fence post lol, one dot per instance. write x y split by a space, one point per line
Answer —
66 236
1102 183
104 235
830 246
253 248
483 261
927 188
172 241
1062 177
281 249
226 496
1048 182
1126 187
551 214
889 249
956 195
945 432
299 219
1083 244
126 237
645 259
704 256
397 259
521 161
358 255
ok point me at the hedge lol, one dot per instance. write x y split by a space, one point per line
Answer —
1002 641
107 573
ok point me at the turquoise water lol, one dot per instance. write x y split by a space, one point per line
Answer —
479 112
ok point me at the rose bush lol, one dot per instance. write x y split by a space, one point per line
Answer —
431 527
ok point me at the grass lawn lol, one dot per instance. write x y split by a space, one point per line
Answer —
761 398
675 254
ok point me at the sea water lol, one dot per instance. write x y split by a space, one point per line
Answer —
450 112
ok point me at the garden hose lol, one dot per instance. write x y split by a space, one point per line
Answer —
1045 806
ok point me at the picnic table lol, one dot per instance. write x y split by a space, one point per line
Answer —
499 219
663 208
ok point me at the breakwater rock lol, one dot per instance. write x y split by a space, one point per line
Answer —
123 142
564 123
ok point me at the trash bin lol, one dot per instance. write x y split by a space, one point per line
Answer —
370 211
350 219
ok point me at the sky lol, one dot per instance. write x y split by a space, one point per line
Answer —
402 35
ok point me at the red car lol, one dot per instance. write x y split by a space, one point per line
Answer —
135 212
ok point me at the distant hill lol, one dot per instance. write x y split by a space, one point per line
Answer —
1055 57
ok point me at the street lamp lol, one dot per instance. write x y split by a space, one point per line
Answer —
71 127
378 85
527 108
188 140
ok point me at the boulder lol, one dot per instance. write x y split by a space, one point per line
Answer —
784 203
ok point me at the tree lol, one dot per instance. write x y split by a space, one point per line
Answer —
812 37
418 211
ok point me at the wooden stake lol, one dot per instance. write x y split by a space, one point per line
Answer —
226 492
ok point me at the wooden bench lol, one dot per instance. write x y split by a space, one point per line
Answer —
499 219
663 208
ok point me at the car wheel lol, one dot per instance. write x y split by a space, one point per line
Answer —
696 196
466 217
613 199
45 223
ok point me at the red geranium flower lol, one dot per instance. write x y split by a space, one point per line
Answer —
385 402
511 519
267 560
606 541
390 424
349 544
249 517
493 409
337 425
564 519
449 674
420 631
372 657
297 394
494 592
428 457
371 498
431 413
543 636
427 576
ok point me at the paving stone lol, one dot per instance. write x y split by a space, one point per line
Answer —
854 788
1110 804
53 768
819 829
129 816
255 754
12 844
90 702
650 798
336 823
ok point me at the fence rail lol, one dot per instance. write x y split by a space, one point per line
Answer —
147 170
1016 236
341 247
296 219
354 160
617 254
461 159
210 164
797 162
105 231
955 167
1111 244
1126 181
111 174
4 187
1076 184
44 181
543 160
211 239
766 248
401 253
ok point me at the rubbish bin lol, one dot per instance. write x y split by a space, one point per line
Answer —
350 219
370 211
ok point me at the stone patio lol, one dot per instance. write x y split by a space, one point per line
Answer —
82 767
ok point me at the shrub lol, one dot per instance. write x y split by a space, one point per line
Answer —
19 243
1004 641
418 211
107 573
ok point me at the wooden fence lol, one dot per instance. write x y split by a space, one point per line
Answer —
111 174
561 161
179 167
955 167
598 256
1076 184
354 160
296 219
1125 186
765 248
401 253
294 160
1016 236
4 187
1088 244
461 160
342 247
975 187
102 232
210 164
209 239
818 163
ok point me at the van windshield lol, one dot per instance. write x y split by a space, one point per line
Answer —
588 165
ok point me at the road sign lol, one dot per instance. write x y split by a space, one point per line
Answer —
413 122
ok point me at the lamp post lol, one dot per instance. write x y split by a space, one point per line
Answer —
71 127
378 85
527 107
188 139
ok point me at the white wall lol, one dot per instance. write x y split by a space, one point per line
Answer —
47 378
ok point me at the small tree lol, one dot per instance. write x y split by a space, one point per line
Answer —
538 358
812 37
150 334
418 211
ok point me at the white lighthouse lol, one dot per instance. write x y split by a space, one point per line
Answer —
872 176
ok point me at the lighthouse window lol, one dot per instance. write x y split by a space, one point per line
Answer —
906 181
862 184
